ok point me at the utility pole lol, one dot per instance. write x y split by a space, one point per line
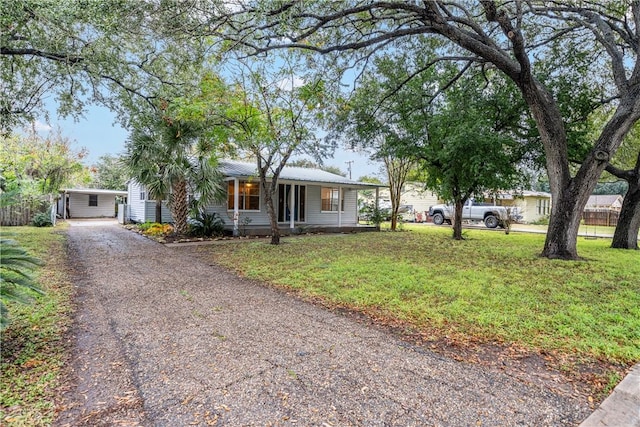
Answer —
349 162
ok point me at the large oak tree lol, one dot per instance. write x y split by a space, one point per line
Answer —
115 53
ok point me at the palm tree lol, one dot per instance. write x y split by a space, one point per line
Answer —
172 158
15 277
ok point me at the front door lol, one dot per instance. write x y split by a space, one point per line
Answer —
286 206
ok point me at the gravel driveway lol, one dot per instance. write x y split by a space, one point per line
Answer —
164 339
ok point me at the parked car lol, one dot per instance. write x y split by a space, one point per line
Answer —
492 216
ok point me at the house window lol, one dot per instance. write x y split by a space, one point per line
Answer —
93 200
143 195
249 196
330 199
543 206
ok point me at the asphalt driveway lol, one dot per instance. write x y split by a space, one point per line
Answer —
163 338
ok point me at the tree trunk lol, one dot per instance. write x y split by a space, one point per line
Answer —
562 233
180 207
394 218
457 220
159 211
273 218
626 234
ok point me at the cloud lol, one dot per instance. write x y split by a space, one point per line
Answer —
289 83
41 127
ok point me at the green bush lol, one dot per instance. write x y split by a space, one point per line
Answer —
206 225
541 221
42 219
146 225
16 276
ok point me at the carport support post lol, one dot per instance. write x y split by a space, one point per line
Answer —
236 207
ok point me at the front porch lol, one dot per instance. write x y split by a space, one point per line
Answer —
286 230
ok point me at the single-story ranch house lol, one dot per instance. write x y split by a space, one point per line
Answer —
309 199
531 206
88 203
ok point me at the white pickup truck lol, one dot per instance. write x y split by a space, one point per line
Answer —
492 216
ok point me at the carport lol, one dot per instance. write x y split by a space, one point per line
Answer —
89 203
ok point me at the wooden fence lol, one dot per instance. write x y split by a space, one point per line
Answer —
21 212
605 217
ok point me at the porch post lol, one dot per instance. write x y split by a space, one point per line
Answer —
292 207
340 206
236 206
64 205
377 197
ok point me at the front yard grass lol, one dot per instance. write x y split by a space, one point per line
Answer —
34 352
490 288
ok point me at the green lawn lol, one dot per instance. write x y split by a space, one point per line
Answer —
33 349
490 287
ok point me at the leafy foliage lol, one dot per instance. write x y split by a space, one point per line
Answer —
35 346
117 53
155 229
33 165
109 173
206 225
173 157
42 219
16 280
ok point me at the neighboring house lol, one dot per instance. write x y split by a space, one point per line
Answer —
530 206
306 199
415 201
611 202
88 203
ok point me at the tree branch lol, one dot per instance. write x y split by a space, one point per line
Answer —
72 59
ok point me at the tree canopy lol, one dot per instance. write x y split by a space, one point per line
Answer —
117 53
531 43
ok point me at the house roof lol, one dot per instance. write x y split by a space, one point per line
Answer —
93 191
603 199
523 193
238 169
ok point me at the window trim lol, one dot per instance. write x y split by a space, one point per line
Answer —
96 200
241 197
341 192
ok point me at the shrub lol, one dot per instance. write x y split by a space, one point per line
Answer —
206 225
146 225
155 229
541 221
15 276
42 219
374 214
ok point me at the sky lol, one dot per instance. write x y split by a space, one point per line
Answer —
99 133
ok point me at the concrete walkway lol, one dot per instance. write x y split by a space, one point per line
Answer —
622 407
164 338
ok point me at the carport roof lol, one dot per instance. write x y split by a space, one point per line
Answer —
93 191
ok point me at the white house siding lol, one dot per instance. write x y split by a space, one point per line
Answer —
150 212
144 210
79 206
136 206
315 216
415 195
530 207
